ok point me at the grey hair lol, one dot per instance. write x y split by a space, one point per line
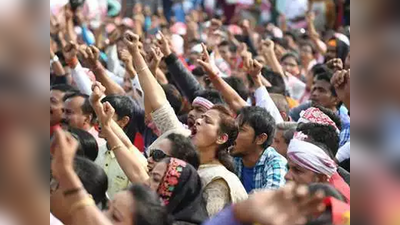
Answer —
288 129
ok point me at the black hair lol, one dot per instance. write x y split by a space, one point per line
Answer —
123 105
199 71
327 76
320 133
86 108
149 209
281 41
238 85
224 43
93 178
66 88
276 80
292 34
227 126
291 55
260 120
87 143
332 115
211 95
174 97
319 69
183 148
310 44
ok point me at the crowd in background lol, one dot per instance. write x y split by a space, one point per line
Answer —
200 112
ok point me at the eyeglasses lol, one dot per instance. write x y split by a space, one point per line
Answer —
158 155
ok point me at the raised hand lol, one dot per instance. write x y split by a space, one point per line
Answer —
132 41
63 148
93 54
341 82
163 44
154 59
254 69
335 64
106 115
267 47
98 91
206 63
126 57
290 204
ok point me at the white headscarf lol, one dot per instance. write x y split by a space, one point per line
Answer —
310 156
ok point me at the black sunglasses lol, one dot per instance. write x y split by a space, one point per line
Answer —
158 155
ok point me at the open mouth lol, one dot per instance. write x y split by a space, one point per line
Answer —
194 131
190 122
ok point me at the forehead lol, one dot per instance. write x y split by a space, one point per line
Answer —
164 145
213 114
290 59
57 94
322 84
123 200
75 102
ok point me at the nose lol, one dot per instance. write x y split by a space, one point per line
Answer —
198 122
288 176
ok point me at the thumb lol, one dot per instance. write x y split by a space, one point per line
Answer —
257 64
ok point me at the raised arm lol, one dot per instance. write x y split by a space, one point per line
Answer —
269 54
82 208
128 156
148 82
315 38
183 78
230 95
92 54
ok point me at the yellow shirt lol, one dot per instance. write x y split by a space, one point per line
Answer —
117 180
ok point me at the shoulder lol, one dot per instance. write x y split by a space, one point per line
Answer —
271 158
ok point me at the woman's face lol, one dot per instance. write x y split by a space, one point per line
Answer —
165 145
306 53
121 209
156 175
206 130
290 65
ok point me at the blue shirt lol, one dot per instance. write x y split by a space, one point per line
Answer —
345 132
247 178
268 173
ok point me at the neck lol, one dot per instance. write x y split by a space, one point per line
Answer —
87 127
251 159
207 155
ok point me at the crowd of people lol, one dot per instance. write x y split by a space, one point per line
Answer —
192 116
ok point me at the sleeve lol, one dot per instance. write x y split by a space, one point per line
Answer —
343 153
113 63
225 217
264 100
182 77
87 36
275 174
82 81
298 88
165 119
217 196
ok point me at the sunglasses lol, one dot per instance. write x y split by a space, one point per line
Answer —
158 155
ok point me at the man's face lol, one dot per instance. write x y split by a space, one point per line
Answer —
245 142
195 114
56 107
73 114
279 143
225 53
330 53
301 175
321 94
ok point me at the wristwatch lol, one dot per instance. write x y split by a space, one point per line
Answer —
54 59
